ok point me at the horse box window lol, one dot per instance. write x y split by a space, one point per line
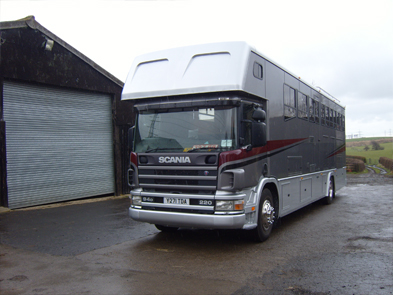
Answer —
289 102
258 71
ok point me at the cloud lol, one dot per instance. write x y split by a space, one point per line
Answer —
346 47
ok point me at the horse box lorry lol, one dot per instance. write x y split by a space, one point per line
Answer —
225 138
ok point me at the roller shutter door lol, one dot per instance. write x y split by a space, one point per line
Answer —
58 143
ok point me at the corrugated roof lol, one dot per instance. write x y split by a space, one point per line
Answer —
30 22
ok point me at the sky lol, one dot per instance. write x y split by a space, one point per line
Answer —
342 46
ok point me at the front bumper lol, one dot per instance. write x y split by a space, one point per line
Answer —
189 220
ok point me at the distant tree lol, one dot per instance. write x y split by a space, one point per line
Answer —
376 146
366 148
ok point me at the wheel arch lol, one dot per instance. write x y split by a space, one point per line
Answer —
272 185
330 176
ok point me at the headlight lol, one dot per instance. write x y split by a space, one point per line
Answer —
237 205
224 205
136 200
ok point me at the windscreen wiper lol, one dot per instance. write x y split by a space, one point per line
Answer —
158 148
201 148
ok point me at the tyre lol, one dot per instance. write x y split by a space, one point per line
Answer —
331 192
266 216
166 229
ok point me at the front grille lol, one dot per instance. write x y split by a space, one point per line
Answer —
130 177
178 179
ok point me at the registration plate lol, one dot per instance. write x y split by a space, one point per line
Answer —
177 201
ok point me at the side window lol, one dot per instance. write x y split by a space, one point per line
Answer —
323 122
343 123
338 126
258 71
327 116
331 118
289 102
316 111
311 107
302 106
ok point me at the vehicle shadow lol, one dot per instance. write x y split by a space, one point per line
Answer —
228 239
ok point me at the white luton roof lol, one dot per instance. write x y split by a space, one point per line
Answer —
187 70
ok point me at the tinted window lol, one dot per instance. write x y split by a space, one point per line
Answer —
323 114
289 102
302 106
316 111
258 71
311 106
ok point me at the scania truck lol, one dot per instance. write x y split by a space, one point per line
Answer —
225 138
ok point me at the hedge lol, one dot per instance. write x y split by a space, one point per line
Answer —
357 158
386 162
354 164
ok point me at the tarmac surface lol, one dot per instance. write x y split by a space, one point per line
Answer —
95 248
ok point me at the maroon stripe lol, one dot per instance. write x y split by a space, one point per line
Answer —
134 159
240 154
340 150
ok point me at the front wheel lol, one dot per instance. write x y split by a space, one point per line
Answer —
266 216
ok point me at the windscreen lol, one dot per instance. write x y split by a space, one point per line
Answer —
186 130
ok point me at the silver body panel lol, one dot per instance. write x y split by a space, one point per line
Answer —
175 219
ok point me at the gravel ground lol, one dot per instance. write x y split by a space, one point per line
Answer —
370 178
95 248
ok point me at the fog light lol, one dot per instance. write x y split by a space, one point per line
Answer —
136 200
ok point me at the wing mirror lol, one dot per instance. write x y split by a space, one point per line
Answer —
258 128
259 115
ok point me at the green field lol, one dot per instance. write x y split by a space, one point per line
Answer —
355 147
368 139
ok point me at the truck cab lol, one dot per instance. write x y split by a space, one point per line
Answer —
182 162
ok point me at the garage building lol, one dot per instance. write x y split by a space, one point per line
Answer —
63 127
